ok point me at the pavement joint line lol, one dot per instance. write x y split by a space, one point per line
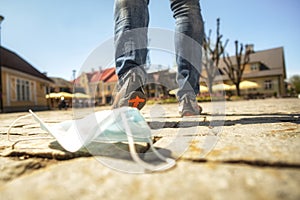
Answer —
253 163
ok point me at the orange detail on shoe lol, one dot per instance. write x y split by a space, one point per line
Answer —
135 102
187 114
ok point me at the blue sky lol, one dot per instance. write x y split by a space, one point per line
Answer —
57 36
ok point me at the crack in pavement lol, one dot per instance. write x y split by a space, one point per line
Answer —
254 163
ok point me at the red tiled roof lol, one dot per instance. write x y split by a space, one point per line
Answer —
103 75
13 61
113 78
107 73
96 77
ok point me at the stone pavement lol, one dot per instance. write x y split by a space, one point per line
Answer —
251 153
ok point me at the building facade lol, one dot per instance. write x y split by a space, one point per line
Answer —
266 68
103 85
23 86
60 85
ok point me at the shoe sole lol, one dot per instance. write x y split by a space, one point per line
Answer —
188 113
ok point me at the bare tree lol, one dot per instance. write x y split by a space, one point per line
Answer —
212 54
235 70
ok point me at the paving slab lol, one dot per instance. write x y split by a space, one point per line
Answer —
250 151
277 143
86 178
14 168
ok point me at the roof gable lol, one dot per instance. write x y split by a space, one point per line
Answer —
13 61
271 58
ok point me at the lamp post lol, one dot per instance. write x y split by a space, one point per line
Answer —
1 97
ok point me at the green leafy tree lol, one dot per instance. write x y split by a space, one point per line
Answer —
295 81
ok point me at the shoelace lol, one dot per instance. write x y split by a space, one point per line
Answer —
169 161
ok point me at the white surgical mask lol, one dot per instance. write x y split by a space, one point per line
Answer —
124 124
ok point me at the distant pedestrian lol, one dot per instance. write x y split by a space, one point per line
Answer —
63 104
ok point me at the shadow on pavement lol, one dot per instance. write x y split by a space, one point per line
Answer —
250 119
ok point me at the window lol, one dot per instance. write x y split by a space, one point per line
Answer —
254 67
108 88
23 90
268 84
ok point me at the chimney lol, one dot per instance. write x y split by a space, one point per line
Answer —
250 47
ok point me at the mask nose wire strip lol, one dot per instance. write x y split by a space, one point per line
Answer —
21 140
170 162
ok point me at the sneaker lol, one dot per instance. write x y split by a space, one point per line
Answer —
188 106
131 92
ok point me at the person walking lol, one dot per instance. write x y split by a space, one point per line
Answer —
131 22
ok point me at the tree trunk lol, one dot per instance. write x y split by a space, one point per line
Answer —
210 88
235 71
238 91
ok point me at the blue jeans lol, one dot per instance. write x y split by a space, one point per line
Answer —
131 47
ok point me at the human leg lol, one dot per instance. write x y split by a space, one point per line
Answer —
188 40
189 34
131 22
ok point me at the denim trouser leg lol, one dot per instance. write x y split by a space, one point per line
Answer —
130 41
131 46
188 41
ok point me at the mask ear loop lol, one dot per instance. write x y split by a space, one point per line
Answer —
170 162
21 140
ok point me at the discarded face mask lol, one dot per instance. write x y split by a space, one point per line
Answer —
124 124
